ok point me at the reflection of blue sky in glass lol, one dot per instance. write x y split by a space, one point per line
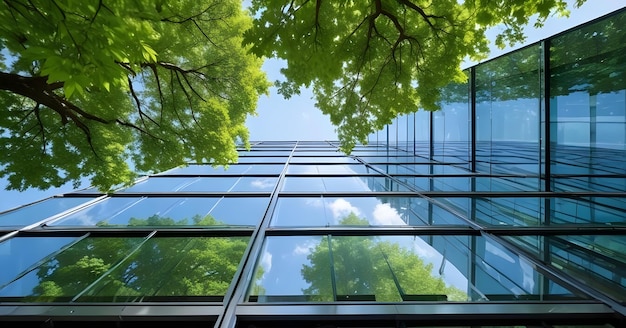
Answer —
215 184
388 211
119 210
21 253
40 211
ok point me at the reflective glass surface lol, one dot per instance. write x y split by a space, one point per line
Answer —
21 254
66 274
216 184
132 270
328 169
346 184
39 211
189 269
169 211
342 159
364 211
396 268
231 169
420 169
598 261
451 124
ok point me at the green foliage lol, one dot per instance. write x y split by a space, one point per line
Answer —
114 269
89 87
370 61
369 266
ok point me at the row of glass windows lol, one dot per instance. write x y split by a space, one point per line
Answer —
301 268
320 211
396 268
118 269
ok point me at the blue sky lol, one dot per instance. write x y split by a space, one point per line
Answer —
298 119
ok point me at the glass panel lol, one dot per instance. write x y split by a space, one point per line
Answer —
342 159
420 169
339 184
20 253
250 159
328 169
65 275
263 152
255 184
240 211
174 268
231 169
39 211
588 107
596 261
396 268
451 131
216 184
169 211
368 211
280 271
508 94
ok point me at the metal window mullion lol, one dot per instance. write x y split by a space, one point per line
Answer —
238 289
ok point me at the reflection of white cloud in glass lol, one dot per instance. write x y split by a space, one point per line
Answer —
495 250
384 214
528 276
342 208
262 183
306 248
266 263
314 202
440 265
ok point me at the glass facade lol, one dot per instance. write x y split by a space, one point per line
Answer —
507 208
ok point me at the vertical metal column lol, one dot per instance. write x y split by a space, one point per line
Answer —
472 100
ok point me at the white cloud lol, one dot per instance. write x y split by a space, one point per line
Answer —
262 183
266 262
495 250
306 248
342 208
384 214
314 202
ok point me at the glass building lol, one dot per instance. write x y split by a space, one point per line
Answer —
507 208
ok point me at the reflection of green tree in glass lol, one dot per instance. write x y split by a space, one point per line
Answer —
130 269
157 221
368 266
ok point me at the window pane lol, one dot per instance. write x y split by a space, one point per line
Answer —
329 169
215 184
174 268
279 275
396 268
341 184
65 275
255 184
20 253
333 211
597 261
169 211
39 211
232 169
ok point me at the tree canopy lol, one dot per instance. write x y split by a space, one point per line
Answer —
369 61
103 89
100 89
